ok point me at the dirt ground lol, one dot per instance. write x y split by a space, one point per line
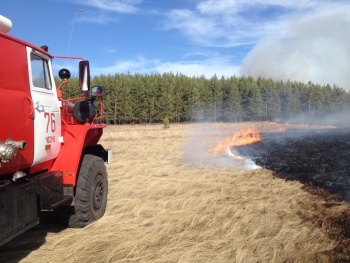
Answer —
170 200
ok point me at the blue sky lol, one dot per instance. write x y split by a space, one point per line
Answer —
282 39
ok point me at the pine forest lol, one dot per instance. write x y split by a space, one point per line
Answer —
151 98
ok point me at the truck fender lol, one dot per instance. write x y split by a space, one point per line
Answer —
76 139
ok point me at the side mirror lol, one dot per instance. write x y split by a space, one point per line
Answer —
84 75
97 91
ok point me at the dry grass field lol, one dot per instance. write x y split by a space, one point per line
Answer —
170 200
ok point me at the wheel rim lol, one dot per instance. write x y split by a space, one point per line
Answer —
98 192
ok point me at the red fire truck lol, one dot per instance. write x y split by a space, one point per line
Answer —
49 151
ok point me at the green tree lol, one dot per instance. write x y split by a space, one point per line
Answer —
270 97
216 90
252 102
232 108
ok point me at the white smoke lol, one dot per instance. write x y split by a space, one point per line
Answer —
238 161
314 47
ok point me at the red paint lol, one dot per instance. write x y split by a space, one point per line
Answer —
21 42
76 137
16 112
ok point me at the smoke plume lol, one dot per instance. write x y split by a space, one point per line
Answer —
314 47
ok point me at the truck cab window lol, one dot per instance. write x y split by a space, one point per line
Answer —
40 72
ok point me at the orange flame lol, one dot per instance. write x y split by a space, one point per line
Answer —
242 137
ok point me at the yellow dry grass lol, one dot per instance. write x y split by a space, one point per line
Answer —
172 201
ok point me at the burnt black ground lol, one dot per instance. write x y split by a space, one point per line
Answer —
316 157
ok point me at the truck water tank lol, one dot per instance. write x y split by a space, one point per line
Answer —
5 24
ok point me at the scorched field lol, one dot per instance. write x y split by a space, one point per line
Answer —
172 198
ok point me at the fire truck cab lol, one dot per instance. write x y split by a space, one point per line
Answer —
49 151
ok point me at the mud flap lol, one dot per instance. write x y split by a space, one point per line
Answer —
98 150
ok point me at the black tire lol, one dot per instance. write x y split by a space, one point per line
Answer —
90 198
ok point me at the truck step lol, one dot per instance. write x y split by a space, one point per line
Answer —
59 201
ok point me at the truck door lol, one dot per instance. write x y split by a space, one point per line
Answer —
47 121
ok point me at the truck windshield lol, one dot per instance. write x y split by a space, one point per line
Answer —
40 72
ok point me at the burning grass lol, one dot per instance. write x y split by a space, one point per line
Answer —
170 200
240 138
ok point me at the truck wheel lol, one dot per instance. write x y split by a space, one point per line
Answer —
91 192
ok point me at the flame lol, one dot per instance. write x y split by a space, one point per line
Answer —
284 126
242 137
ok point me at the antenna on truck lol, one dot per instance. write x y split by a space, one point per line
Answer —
71 33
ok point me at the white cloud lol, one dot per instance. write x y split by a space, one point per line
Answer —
220 66
197 28
198 68
236 6
120 6
96 18
138 65
230 23
220 29
218 7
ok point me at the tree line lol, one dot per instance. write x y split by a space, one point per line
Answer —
150 98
